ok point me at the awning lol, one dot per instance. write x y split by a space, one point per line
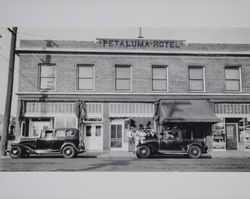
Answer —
185 111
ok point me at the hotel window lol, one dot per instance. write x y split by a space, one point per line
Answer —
159 78
85 77
122 77
233 78
196 78
47 77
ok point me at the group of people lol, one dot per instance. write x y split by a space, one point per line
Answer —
136 135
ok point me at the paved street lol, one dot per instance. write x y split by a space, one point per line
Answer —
124 162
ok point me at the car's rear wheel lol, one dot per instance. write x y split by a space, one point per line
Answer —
143 152
69 152
194 152
16 152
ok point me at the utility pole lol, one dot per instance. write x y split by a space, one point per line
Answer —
7 111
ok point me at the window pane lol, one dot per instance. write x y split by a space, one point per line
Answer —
119 131
60 133
70 133
195 73
159 85
232 73
122 72
232 85
88 130
196 85
47 71
113 131
86 84
98 131
47 83
123 84
60 123
86 71
159 73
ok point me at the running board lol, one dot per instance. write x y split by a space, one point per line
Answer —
173 152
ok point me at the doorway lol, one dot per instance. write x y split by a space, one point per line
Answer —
93 134
231 136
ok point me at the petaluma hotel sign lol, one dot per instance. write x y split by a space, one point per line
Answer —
139 43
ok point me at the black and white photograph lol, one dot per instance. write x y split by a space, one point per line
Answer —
134 100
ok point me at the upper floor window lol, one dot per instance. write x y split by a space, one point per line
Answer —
85 77
47 77
122 77
196 78
233 78
159 78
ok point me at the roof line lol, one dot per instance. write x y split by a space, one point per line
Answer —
137 53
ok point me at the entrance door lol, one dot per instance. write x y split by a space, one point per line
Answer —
231 135
116 136
37 126
93 136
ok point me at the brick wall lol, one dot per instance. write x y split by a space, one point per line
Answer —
66 77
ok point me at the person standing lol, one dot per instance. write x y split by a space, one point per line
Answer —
131 140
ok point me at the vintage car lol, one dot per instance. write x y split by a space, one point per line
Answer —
65 141
169 143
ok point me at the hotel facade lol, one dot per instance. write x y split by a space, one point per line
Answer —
202 89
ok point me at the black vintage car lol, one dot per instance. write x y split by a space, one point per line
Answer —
169 143
65 141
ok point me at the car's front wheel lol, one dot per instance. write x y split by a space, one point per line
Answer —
69 152
143 152
16 152
194 152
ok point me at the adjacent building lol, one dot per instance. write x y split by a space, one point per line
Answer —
200 89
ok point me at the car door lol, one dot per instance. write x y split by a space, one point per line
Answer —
45 140
170 143
58 139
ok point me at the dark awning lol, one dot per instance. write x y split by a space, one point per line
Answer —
186 111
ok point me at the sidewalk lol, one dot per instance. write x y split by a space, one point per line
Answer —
230 154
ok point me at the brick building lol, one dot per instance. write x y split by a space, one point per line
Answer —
204 89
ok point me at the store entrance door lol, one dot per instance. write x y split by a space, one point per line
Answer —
93 137
116 136
231 136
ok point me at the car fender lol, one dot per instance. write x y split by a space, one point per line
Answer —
69 144
193 144
23 146
148 145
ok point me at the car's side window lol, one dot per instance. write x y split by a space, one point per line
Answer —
70 133
47 134
60 133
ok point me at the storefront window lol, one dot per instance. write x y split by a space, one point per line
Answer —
219 136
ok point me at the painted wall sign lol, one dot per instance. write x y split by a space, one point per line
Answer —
139 43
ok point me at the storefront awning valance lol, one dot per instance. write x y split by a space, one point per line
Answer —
185 111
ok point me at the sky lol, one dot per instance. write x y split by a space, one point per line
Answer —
191 35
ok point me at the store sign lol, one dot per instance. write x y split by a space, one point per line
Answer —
140 43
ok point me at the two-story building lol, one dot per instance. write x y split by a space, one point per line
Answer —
101 86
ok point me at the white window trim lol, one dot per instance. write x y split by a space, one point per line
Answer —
159 66
93 80
203 78
39 76
131 76
240 80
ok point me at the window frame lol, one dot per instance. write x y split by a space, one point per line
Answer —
93 77
130 77
40 65
203 77
239 80
152 72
